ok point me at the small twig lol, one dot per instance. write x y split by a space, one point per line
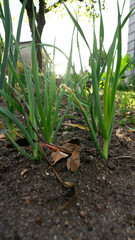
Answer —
121 157
56 174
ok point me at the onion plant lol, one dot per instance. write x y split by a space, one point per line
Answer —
101 113
39 102
10 55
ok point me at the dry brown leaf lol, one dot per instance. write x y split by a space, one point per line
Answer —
2 136
68 184
58 155
70 146
73 162
120 133
26 200
77 126
70 150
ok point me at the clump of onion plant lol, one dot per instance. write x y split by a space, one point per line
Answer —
98 116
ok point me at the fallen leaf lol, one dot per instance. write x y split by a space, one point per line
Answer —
73 162
26 200
70 146
122 134
46 173
70 151
76 125
56 156
68 184
119 133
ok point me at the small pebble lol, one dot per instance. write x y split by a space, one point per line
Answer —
86 220
55 237
66 223
90 229
82 214
99 208
38 220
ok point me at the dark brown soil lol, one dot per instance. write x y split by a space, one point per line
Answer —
31 195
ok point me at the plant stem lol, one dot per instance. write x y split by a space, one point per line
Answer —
106 145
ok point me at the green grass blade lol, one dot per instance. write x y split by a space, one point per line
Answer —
97 97
12 117
79 52
18 37
38 95
7 26
77 26
18 148
69 65
2 15
12 101
101 39
118 64
61 121
37 85
31 100
127 17
13 70
51 101
109 63
95 49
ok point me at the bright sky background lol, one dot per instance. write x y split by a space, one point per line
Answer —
61 29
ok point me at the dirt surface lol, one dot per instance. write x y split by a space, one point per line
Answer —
31 196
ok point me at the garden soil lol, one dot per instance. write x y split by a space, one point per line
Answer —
35 205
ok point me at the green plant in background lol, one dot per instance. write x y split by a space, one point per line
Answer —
103 116
126 107
123 85
132 82
126 101
127 60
